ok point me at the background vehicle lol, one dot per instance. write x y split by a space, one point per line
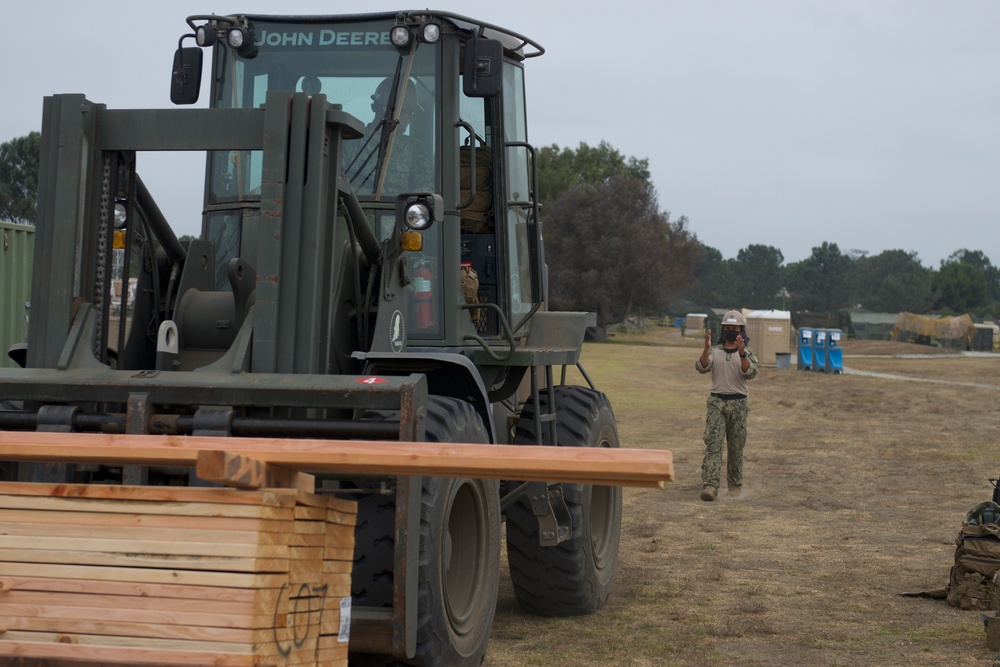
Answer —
354 164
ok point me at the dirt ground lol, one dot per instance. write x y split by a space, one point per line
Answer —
856 486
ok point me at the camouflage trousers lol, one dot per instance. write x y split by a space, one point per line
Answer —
726 420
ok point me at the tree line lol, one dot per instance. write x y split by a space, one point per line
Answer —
830 280
611 249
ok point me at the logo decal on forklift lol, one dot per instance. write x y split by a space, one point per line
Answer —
396 331
371 380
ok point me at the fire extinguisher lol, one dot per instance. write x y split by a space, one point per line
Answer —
423 289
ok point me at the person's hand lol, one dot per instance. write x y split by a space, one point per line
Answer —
741 346
708 339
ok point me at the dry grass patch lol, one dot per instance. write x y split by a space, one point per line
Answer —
855 489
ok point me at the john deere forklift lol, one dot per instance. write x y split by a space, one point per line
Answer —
370 266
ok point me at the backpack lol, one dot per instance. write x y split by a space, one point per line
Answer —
972 583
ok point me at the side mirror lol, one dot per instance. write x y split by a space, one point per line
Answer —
185 81
483 68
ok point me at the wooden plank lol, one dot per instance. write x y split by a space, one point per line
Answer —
210 564
111 650
268 608
545 463
143 533
152 521
151 494
342 505
336 567
137 548
338 532
144 575
305 513
155 630
266 640
204 605
339 553
76 639
133 655
340 518
308 540
244 472
238 616
182 592
126 507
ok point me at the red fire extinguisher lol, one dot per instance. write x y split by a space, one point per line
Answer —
423 295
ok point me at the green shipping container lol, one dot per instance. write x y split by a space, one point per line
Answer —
17 253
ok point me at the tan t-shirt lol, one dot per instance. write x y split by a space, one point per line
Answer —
727 371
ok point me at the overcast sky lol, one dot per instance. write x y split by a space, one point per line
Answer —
872 124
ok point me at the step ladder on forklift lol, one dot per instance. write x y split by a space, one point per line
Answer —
555 338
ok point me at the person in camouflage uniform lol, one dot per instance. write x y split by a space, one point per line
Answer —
731 364
388 152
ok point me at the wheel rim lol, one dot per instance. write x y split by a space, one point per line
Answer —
603 504
464 559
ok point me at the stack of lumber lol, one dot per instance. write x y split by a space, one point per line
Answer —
126 575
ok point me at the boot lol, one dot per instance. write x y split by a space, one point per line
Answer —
708 493
734 491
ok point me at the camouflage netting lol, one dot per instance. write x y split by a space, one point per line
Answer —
949 332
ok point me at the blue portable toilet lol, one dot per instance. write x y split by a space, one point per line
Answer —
834 355
804 362
819 349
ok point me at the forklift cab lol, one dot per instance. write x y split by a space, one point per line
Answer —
441 99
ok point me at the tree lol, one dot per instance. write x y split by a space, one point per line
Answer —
682 254
894 281
960 287
712 280
561 169
823 282
759 275
19 178
979 260
609 249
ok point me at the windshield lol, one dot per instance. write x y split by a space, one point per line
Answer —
393 93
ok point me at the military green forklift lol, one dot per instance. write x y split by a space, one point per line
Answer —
370 266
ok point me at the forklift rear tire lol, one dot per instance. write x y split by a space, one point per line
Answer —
574 577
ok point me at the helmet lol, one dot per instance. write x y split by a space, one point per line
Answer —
380 99
734 317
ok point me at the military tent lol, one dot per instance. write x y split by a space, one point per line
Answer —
948 332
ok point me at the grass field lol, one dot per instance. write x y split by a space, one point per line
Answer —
856 486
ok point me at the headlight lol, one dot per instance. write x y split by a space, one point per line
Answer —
120 216
205 35
418 216
400 35
237 37
241 39
430 32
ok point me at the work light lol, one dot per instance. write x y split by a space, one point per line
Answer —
400 35
430 31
